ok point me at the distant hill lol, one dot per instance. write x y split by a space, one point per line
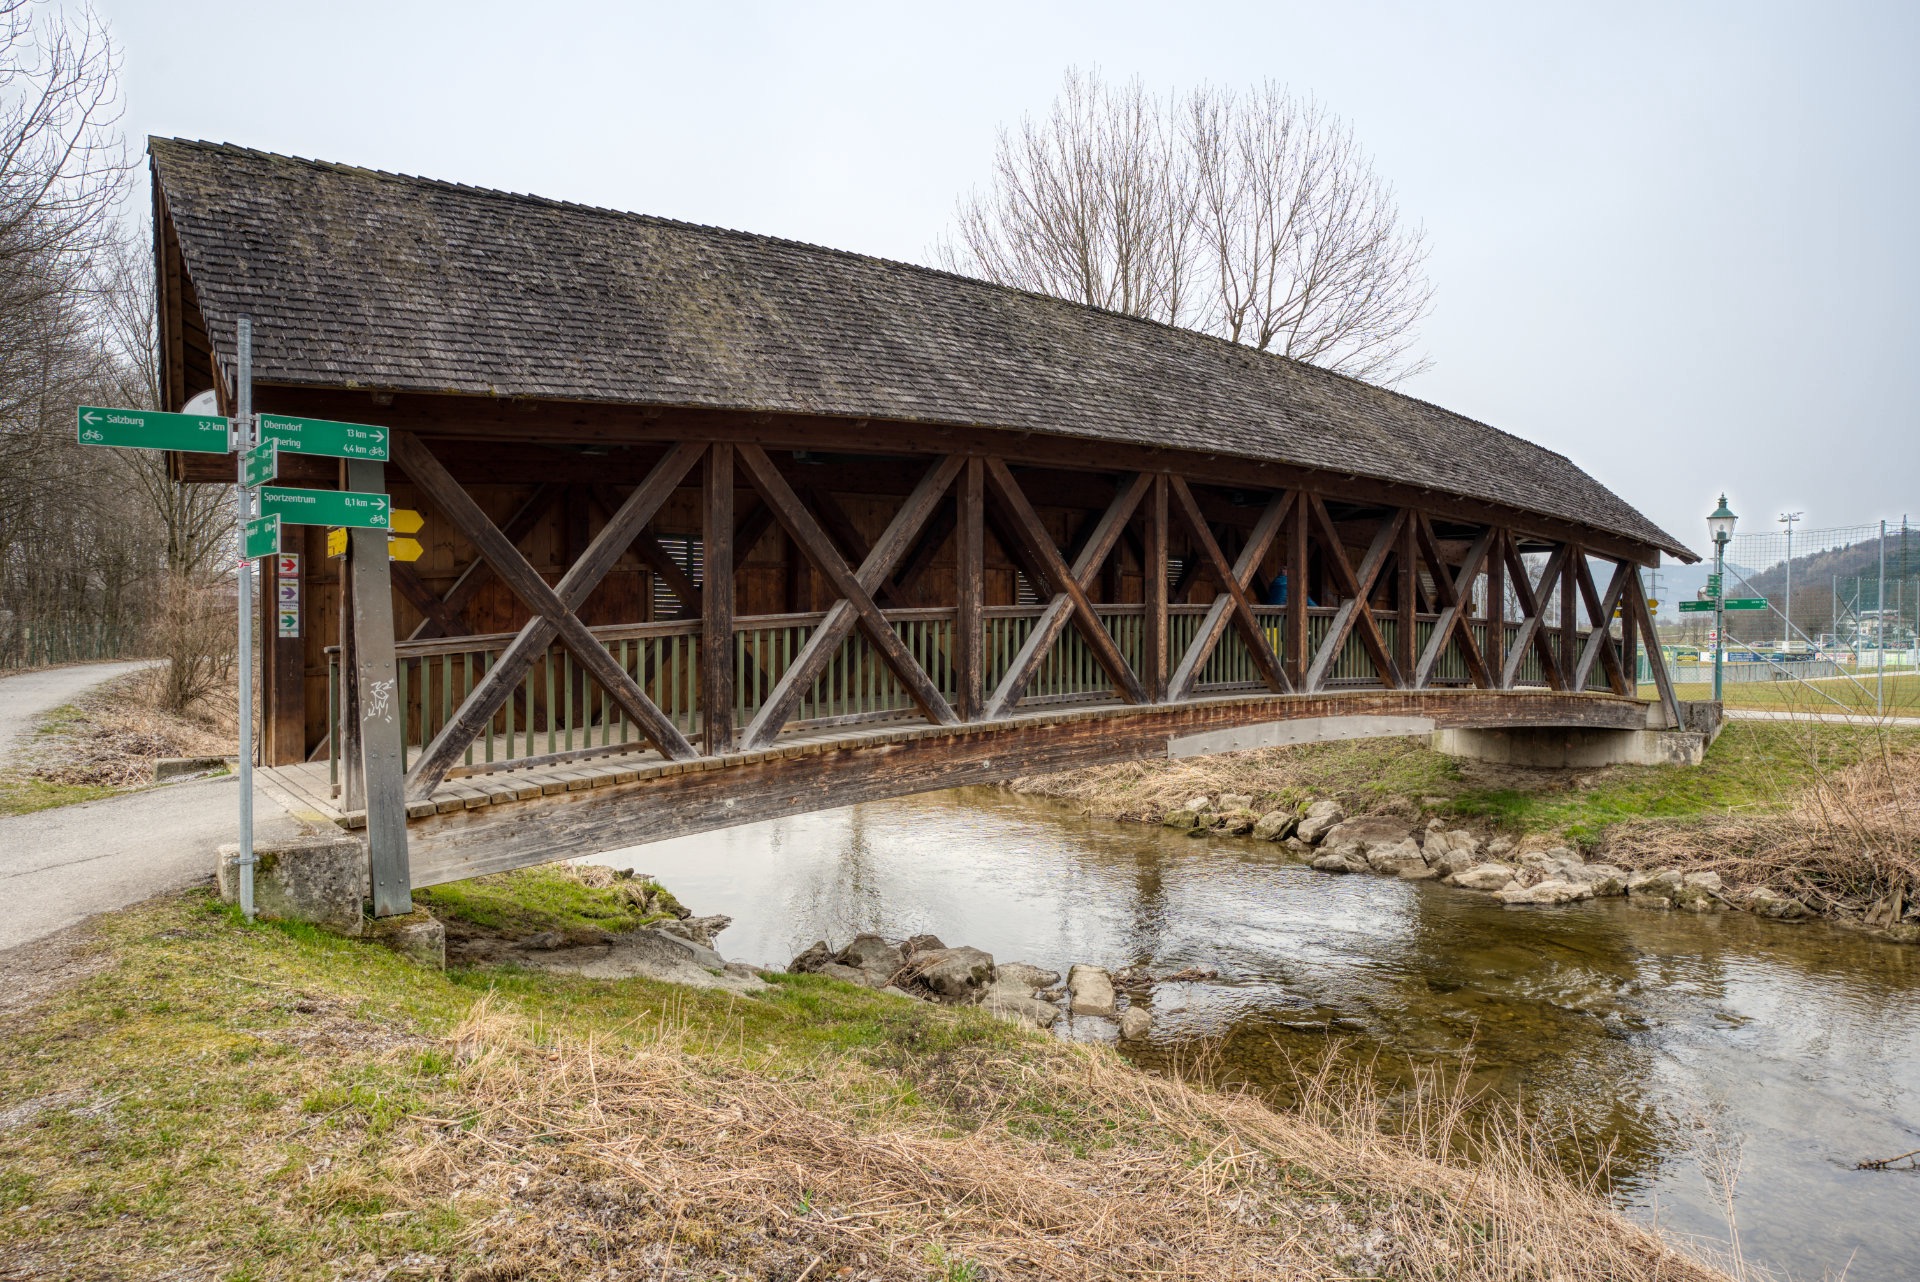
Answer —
1814 576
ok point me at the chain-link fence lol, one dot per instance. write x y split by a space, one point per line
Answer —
1840 623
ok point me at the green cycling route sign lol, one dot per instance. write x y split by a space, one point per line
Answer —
324 436
326 507
153 430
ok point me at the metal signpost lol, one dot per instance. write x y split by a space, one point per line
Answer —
244 441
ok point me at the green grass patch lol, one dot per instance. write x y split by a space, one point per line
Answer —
1827 695
22 794
1754 766
532 900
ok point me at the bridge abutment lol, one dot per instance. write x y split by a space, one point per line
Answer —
1583 748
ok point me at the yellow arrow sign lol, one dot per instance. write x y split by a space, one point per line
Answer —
404 549
404 520
397 549
336 542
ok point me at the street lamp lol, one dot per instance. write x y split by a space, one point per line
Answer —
1720 524
1786 634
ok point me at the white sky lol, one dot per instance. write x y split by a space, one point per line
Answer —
1676 242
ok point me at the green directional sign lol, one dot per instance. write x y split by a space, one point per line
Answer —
1747 603
326 507
152 430
261 538
1713 585
323 436
260 464
1696 607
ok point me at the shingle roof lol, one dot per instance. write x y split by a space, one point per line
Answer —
355 276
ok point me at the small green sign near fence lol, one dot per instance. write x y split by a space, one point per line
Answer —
324 436
1746 603
153 430
261 538
260 464
326 507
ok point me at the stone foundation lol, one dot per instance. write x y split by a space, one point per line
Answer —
322 880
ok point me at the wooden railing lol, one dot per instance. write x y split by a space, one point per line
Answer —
556 711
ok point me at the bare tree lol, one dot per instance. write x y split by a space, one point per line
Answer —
1252 215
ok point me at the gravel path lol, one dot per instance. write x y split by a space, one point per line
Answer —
27 697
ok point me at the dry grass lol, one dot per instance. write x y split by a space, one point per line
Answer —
1043 1161
1850 840
111 736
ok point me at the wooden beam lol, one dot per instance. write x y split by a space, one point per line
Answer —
1231 604
851 543
855 605
1600 609
1153 571
1356 612
553 607
1298 627
1357 609
1636 603
716 614
1533 631
1068 583
1570 609
1406 598
446 622
1455 592
383 718
474 577
970 589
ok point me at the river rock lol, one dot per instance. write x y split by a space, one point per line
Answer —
1693 897
1199 805
1333 861
894 990
1183 819
1764 902
1235 801
1547 892
917 944
1704 880
810 961
698 930
871 952
1135 1023
1657 881
1092 991
849 975
1485 877
1020 976
1451 852
1275 825
1020 1008
954 972
1321 818
1604 880
1903 932
1239 822
1399 858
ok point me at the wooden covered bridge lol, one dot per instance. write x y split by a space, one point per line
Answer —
720 527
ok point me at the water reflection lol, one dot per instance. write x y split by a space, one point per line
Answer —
1660 1036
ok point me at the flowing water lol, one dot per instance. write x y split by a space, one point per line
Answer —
1690 1044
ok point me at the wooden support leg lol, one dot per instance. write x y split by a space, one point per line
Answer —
382 719
1154 592
969 575
1297 644
716 627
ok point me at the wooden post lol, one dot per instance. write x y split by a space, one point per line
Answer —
382 721
1629 681
1570 614
1153 569
1496 612
1298 645
716 626
969 580
1405 652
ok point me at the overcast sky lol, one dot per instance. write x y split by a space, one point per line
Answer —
1675 242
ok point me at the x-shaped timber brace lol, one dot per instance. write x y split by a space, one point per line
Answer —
987 496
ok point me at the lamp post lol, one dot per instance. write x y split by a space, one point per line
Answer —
1720 524
1786 634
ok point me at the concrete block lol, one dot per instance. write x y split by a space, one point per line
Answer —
322 880
166 769
415 935
1553 748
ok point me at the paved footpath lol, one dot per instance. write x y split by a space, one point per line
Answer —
1864 717
60 866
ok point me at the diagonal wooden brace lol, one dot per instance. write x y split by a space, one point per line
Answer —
1232 604
1453 590
856 605
1069 599
1101 537
1531 631
553 608
1600 641
1355 611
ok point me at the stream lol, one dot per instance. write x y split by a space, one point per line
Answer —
1687 1045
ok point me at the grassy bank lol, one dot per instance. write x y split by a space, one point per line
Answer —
1826 812
237 1101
